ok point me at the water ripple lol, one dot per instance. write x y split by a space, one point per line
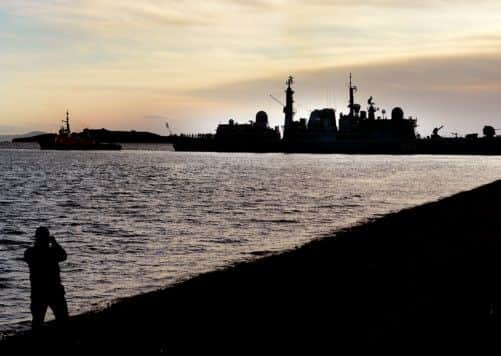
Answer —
137 220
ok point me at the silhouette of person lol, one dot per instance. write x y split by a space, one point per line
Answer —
46 289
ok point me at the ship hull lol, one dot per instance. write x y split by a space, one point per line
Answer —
479 146
352 147
344 146
194 144
460 146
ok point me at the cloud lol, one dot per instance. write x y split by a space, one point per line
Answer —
106 15
126 59
266 31
7 35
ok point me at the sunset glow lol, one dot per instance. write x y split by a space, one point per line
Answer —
136 64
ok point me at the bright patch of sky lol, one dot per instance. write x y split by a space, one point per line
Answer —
113 63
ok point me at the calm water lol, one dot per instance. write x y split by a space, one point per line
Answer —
138 220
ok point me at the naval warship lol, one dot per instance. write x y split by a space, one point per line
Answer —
360 131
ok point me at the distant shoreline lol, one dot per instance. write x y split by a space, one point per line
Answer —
125 146
424 276
106 136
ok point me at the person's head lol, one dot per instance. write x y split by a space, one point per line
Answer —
42 237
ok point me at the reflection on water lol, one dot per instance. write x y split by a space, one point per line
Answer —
137 220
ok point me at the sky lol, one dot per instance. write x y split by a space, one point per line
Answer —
136 64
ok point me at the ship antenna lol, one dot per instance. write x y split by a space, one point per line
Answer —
351 105
289 107
67 121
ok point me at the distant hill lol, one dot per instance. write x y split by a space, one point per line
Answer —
103 135
9 138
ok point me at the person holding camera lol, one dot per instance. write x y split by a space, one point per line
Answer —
43 259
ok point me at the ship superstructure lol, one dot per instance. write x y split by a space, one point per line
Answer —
255 136
360 131
364 124
321 127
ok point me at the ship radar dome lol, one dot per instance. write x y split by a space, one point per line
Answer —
262 118
397 114
489 131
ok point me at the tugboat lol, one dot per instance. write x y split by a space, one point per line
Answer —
67 140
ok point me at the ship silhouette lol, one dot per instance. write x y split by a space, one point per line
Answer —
360 131
67 140
364 131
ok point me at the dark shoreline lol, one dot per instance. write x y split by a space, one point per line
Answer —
424 277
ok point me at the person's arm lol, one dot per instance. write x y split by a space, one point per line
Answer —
59 252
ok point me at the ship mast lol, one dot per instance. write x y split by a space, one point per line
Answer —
351 105
289 106
67 121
